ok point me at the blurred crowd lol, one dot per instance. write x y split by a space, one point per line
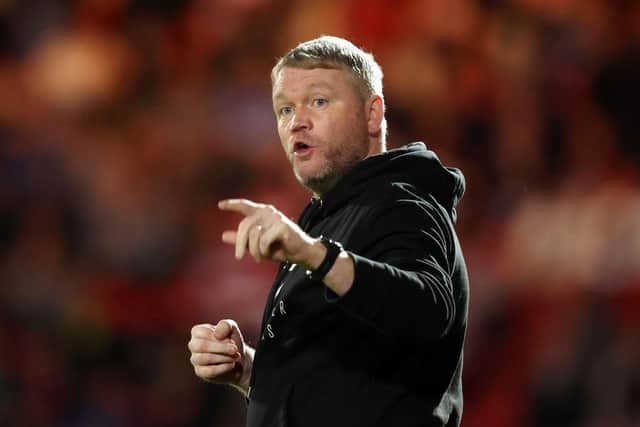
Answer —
123 122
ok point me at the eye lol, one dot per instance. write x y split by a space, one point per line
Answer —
285 110
320 102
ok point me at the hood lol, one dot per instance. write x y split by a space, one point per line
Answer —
413 164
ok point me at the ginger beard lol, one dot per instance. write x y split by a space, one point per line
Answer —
335 158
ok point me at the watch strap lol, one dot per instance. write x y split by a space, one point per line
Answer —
333 250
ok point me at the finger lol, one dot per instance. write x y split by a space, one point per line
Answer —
203 359
196 345
203 330
232 334
243 206
254 241
269 241
206 333
229 237
212 371
242 238
224 328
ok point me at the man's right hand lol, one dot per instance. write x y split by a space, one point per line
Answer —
220 355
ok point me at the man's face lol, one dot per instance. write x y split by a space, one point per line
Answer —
321 122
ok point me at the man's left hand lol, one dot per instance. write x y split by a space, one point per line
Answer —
268 233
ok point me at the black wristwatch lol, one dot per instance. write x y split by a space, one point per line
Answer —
333 250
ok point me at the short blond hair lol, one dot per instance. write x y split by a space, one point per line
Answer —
335 52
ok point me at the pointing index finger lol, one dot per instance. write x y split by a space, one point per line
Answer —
243 206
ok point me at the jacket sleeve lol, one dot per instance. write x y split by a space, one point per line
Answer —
403 272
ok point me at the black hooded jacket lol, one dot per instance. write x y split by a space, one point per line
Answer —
389 351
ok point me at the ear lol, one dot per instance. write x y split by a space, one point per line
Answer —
375 115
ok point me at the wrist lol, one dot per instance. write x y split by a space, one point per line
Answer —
332 250
247 366
243 382
316 252
340 278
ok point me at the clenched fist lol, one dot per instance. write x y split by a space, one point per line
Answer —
220 355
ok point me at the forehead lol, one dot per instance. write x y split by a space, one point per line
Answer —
292 80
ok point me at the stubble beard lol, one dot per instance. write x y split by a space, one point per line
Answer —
338 160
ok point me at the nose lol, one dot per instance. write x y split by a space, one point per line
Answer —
301 120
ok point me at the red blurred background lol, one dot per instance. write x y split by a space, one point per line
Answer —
122 123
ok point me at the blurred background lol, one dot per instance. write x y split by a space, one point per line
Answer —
123 122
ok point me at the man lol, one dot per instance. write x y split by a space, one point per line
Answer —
366 319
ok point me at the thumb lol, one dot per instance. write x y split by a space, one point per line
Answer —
223 329
228 328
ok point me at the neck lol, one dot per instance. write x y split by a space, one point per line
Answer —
376 146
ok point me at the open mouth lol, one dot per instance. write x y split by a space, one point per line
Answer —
301 149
